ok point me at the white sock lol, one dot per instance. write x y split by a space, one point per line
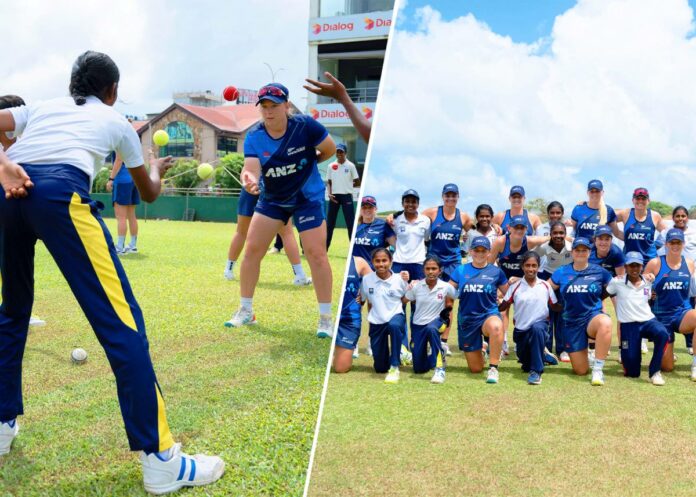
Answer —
693 361
325 309
245 303
598 365
230 265
297 269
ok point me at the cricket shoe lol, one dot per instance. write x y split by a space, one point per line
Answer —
356 353
392 375
7 435
493 375
36 322
598 377
644 346
534 378
302 281
657 379
229 274
439 376
325 327
181 470
445 347
241 318
693 373
549 358
405 356
564 357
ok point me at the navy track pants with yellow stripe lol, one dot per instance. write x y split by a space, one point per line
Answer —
59 211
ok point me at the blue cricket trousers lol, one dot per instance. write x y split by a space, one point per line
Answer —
59 211
530 346
421 336
381 335
631 335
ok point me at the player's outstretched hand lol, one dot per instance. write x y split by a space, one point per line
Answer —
404 276
333 89
14 180
163 164
250 183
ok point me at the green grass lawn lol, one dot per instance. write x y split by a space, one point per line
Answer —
250 395
562 438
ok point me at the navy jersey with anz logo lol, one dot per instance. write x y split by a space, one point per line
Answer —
351 309
289 173
507 218
445 236
581 291
477 290
611 261
369 237
587 220
639 236
511 262
672 289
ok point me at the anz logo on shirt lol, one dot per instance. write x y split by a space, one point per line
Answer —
637 236
513 266
676 285
279 171
363 240
581 288
589 226
475 288
445 236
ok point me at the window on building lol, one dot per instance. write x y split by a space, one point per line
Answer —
180 140
226 145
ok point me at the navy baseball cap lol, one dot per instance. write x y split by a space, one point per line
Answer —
517 190
342 147
582 241
450 187
275 92
410 193
602 229
369 200
633 257
675 234
518 221
481 241
595 184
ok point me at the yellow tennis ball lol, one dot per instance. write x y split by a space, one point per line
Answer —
204 170
160 138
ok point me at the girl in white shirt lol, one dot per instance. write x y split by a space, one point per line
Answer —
46 177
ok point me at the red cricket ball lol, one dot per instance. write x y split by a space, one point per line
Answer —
230 93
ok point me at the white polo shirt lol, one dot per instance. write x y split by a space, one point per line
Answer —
632 302
429 302
384 296
531 302
473 233
552 259
410 239
342 177
60 132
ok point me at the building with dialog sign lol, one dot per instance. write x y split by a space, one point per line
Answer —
348 38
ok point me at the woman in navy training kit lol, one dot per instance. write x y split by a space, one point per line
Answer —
434 299
582 286
372 232
477 284
594 212
640 226
125 197
383 290
532 297
517 196
46 177
674 284
280 163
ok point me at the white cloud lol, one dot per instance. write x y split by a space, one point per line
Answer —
610 89
160 46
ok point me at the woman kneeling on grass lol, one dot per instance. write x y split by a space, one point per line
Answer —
382 290
532 297
434 299
477 285
582 287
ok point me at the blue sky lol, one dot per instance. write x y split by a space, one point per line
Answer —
547 94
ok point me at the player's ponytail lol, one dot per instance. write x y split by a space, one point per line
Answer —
93 74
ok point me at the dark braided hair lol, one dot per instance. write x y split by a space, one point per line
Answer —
8 101
93 73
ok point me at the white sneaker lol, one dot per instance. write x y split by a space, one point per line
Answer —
618 357
693 372
229 274
506 349
36 322
356 352
644 346
182 470
406 356
133 249
325 327
302 281
564 357
493 375
273 250
597 377
690 350
439 376
7 435
445 347
240 318
368 350
658 380
392 375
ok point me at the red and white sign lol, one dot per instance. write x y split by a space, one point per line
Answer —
369 25
247 96
336 114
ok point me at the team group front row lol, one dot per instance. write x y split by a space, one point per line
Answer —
554 282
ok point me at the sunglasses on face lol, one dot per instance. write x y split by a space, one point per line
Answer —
272 91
